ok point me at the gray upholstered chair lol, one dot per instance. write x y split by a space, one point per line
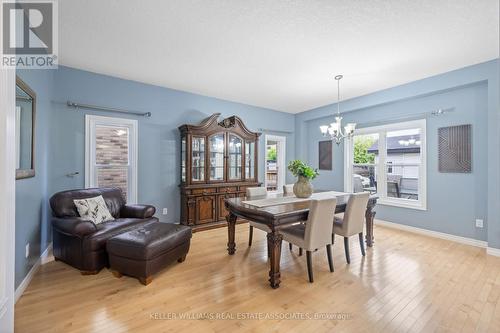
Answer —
315 233
288 189
358 185
255 193
353 221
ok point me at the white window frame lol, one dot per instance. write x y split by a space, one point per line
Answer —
421 203
91 122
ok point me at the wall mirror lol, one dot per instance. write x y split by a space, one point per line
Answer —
25 130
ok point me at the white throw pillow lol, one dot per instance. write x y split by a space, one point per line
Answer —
93 209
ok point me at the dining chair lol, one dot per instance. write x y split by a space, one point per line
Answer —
252 193
288 189
393 189
352 222
358 185
315 233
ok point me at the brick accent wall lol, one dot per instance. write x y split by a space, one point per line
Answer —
112 156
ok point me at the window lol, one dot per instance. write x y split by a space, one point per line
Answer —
389 167
111 154
389 160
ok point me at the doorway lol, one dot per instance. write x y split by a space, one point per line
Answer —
275 164
7 196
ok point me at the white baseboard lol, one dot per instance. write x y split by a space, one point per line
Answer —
3 306
47 255
436 234
493 251
44 258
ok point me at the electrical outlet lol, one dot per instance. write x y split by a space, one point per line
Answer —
165 211
27 254
479 223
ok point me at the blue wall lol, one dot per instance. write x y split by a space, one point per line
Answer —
454 201
31 193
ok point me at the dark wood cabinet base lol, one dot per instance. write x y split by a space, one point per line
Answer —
214 225
145 280
116 274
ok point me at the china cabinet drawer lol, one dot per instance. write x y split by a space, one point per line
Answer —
232 189
204 191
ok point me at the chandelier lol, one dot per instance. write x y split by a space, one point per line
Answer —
409 142
334 130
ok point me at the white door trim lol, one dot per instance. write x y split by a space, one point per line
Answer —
90 122
7 196
281 140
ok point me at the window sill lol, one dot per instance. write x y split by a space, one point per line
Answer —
402 203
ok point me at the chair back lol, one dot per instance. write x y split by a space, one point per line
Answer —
319 223
358 185
354 216
63 206
288 189
393 189
256 191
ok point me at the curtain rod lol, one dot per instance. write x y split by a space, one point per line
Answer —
410 116
272 130
107 109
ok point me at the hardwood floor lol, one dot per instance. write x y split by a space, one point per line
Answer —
406 282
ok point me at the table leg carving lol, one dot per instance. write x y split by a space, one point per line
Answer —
231 229
369 216
274 241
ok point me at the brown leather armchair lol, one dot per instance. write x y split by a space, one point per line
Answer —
81 243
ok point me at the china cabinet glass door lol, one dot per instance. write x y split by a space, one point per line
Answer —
249 160
235 157
216 155
183 159
198 159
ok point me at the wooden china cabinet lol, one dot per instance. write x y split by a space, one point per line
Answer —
218 161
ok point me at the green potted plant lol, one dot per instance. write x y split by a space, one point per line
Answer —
303 187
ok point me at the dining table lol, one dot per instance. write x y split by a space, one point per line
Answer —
278 211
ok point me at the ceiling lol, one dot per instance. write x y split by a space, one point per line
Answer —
279 54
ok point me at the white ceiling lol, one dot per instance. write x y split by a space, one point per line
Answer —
278 54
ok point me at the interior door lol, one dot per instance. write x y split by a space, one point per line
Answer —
7 197
275 163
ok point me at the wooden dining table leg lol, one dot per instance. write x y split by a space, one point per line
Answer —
369 217
231 230
274 240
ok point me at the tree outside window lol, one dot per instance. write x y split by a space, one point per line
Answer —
272 154
361 145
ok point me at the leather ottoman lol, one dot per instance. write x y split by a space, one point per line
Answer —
146 250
